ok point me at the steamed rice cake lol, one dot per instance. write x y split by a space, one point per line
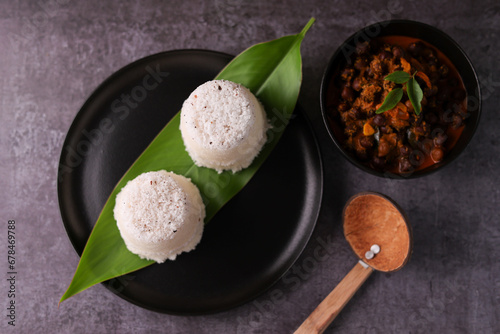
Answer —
160 215
223 126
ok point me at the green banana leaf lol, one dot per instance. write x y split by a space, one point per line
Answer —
273 72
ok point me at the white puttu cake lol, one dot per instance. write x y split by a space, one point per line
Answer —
160 215
223 126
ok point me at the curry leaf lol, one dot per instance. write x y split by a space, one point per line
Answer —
391 100
273 72
399 77
415 94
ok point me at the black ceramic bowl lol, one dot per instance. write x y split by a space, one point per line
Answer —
439 41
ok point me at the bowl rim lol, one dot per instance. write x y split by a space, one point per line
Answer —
439 34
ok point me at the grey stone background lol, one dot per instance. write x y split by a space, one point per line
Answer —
54 53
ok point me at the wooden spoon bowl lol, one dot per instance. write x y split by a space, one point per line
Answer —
368 219
372 218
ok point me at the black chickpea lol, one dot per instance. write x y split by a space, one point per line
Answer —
347 93
379 120
397 52
437 154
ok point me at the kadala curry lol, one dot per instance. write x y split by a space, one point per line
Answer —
395 137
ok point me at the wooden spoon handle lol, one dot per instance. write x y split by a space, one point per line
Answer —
331 306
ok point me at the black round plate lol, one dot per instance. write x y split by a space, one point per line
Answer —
247 246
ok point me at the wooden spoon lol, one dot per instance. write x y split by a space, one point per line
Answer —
368 219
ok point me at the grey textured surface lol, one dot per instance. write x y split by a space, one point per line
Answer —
54 53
